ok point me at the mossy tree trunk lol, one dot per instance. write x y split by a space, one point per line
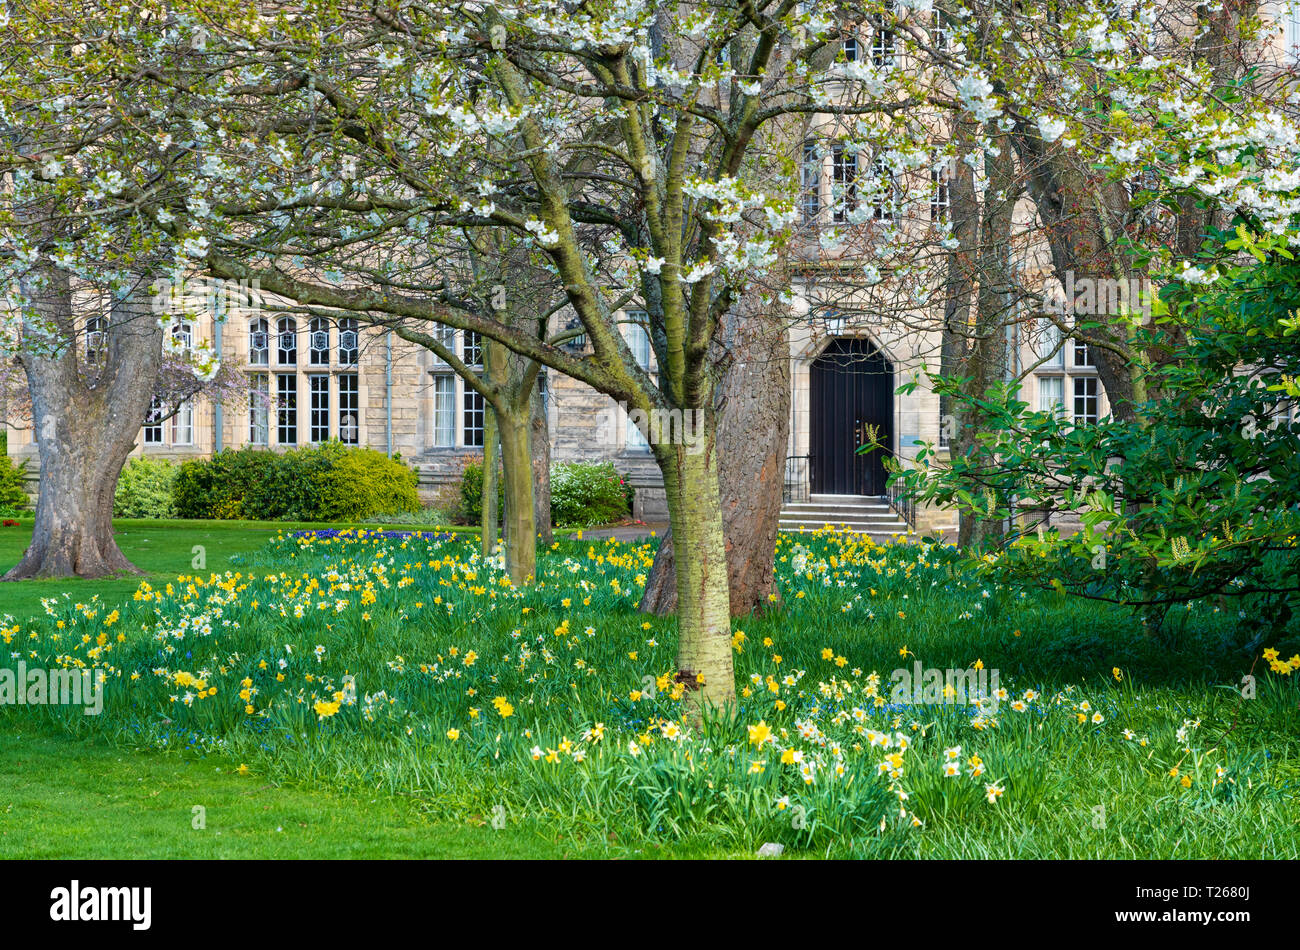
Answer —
704 651
753 437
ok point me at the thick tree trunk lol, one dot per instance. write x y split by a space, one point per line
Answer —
959 286
704 651
85 419
517 472
753 437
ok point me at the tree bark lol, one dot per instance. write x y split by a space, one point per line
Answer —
540 449
517 472
704 651
987 352
753 438
85 419
488 514
959 286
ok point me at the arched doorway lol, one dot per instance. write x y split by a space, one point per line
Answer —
851 389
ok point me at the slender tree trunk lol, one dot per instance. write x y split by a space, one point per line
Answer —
704 651
987 353
540 447
959 286
488 533
517 472
753 437
85 419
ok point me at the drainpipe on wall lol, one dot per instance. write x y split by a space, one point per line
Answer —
1013 368
216 403
388 391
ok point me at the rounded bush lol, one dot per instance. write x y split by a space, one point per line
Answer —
144 489
13 485
361 483
588 493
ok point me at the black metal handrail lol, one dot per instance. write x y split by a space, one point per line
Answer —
901 502
797 486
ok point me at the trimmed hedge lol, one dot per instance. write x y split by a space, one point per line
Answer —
328 482
583 494
144 489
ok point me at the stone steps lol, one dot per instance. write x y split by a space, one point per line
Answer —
865 515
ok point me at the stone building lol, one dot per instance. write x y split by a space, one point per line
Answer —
312 378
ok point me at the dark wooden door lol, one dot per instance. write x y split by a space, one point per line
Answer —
852 389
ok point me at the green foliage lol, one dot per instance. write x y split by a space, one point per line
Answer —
144 489
620 771
471 493
290 485
329 482
216 487
588 493
13 481
359 484
1198 496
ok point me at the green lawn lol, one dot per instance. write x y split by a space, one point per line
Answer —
162 549
62 798
69 798
406 688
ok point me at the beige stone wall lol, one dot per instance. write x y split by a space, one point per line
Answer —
229 426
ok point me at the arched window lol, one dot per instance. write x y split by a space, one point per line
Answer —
286 342
183 334
96 339
811 182
318 352
349 342
259 342
882 38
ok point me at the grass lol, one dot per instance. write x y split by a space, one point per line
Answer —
86 799
411 672
162 549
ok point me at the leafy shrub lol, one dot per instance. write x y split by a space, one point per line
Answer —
216 487
13 485
471 493
428 515
144 489
329 482
588 493
290 486
359 484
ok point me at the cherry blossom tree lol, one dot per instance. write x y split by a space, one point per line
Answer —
642 148
85 143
